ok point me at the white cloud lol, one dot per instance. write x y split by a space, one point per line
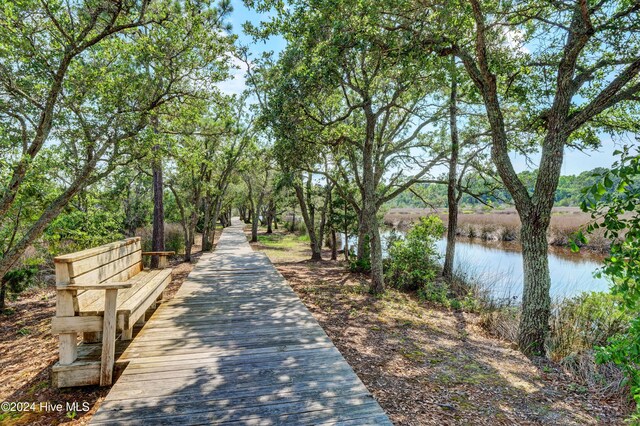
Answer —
236 84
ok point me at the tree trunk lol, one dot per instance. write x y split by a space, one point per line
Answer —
536 301
157 238
363 239
452 196
314 242
206 230
254 226
334 245
191 231
377 273
3 295
187 248
216 215
346 234
370 202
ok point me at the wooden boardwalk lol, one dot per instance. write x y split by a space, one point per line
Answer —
236 346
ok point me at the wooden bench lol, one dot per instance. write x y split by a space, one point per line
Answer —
101 291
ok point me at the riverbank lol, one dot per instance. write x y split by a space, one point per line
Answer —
427 364
504 225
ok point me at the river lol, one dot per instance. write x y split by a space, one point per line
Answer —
498 267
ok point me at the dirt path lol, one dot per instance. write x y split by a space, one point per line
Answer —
427 365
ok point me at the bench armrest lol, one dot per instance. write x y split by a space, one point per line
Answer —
158 253
115 285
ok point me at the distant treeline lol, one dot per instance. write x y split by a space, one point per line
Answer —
569 192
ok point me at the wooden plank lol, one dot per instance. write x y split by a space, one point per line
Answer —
81 266
200 356
142 389
76 324
118 270
108 337
309 411
246 405
148 293
111 285
79 255
95 305
326 387
274 339
239 364
235 345
77 374
68 342
178 392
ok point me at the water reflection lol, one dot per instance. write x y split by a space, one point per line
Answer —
498 266
501 268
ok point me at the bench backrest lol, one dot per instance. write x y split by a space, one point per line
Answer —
116 261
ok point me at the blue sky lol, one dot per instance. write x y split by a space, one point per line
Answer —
239 16
575 161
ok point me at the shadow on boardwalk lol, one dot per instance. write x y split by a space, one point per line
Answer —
236 345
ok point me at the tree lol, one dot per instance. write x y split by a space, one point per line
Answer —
581 77
75 82
234 143
257 174
157 238
196 137
369 98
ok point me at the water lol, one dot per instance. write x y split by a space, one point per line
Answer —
500 267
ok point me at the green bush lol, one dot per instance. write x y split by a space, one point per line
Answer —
585 322
364 264
16 281
299 227
173 237
412 263
77 230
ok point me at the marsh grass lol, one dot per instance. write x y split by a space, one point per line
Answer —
173 237
578 325
504 225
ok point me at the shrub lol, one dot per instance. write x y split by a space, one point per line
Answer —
412 262
584 322
502 322
173 237
16 281
78 230
364 264
437 292
299 227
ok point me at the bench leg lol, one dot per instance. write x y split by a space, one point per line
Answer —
68 346
163 262
127 334
108 337
142 319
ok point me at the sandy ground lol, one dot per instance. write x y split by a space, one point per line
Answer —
430 366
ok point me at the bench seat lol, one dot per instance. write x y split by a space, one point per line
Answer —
132 302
